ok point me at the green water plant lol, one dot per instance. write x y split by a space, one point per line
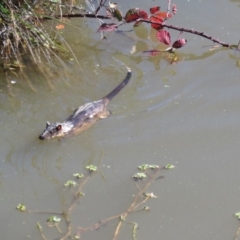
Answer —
62 220
91 168
21 207
237 215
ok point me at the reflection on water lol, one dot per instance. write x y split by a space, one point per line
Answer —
186 114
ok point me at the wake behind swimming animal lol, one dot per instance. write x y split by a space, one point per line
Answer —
84 116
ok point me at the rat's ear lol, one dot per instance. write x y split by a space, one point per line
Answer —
47 124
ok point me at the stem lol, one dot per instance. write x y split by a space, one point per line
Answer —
202 34
71 207
102 2
237 233
87 15
169 6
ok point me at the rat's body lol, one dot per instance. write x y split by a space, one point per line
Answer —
84 116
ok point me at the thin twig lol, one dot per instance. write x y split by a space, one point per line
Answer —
237 233
169 6
102 2
69 210
78 15
202 34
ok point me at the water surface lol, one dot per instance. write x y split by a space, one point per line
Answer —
186 114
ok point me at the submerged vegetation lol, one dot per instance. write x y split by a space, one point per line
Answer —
63 220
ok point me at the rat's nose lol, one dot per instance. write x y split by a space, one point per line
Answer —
41 137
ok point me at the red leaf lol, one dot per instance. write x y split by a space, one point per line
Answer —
174 9
154 9
108 27
164 37
163 15
157 20
134 14
179 43
159 17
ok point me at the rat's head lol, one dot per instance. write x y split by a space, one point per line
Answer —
52 130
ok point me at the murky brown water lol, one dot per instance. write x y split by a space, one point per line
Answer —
186 114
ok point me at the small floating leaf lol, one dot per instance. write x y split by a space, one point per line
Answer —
78 175
91 168
21 207
146 208
169 166
80 194
153 166
139 175
70 183
237 215
143 167
150 195
54 219
76 237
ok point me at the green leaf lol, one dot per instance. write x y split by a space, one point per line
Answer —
78 175
3 9
91 168
21 207
54 219
149 195
146 208
145 167
117 14
80 194
70 183
139 175
169 166
237 215
153 166
114 13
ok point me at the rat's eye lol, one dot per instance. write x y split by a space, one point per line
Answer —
59 127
